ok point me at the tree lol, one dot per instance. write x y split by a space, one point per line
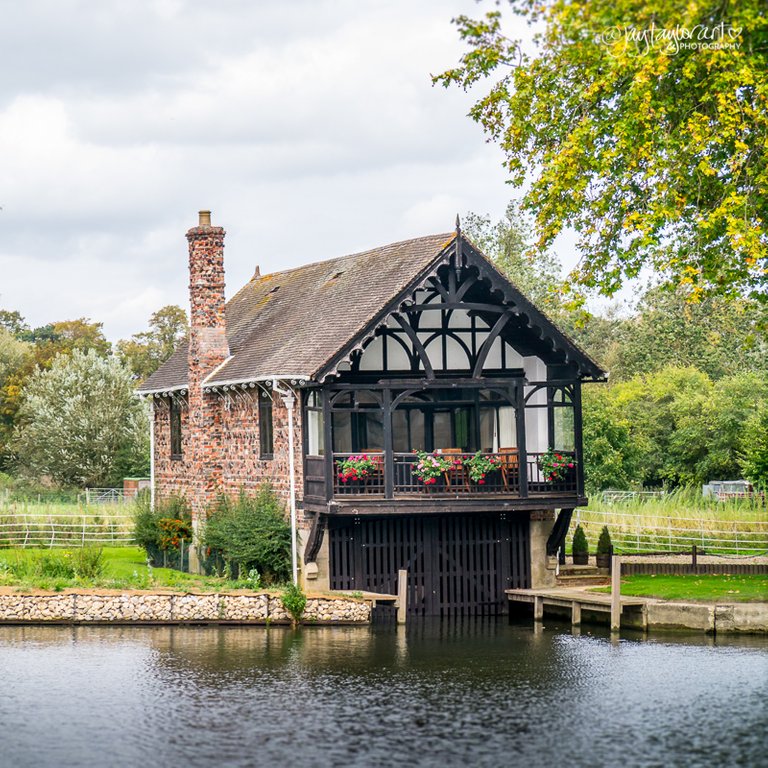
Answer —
654 152
69 335
754 459
508 243
610 453
15 356
717 335
12 321
145 352
78 419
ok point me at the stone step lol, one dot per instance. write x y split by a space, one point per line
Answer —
587 580
579 570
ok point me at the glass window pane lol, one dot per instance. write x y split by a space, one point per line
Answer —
374 431
342 432
564 439
266 445
441 427
400 441
315 433
418 433
507 428
488 440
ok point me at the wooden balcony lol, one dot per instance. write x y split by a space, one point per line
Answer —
393 479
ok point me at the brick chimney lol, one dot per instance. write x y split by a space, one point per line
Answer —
208 348
208 330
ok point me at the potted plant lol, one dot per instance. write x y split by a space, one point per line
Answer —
431 468
604 549
580 547
555 466
484 470
355 470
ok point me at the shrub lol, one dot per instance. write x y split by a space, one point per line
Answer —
604 542
251 533
580 545
294 601
164 528
88 562
55 565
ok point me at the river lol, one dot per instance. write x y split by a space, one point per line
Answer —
480 693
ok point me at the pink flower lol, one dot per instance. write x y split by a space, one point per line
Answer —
570 466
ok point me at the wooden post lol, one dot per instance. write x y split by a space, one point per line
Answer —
575 613
615 593
402 596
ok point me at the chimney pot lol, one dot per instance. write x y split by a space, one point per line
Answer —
205 219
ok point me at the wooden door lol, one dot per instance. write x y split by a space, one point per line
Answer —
457 565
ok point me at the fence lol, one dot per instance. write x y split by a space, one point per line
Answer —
632 532
86 496
21 530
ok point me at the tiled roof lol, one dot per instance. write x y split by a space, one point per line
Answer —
292 323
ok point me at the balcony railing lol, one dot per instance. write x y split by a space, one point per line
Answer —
456 482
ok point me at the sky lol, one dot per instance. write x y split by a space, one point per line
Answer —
310 128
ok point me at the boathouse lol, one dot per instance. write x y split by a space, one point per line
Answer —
409 403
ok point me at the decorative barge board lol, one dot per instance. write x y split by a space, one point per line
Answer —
416 348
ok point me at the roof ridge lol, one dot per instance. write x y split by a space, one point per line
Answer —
397 243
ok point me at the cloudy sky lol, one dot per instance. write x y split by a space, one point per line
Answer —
309 128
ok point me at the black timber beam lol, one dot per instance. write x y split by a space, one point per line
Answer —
557 537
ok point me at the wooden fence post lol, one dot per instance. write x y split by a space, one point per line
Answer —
402 596
615 593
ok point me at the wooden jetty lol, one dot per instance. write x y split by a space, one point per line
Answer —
577 600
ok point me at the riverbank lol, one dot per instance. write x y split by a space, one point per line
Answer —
74 606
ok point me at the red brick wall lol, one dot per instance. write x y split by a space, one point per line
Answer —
220 433
231 462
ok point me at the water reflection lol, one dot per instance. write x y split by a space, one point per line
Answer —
472 693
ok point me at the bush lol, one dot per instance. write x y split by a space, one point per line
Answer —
251 533
294 601
604 542
56 565
580 545
88 562
162 529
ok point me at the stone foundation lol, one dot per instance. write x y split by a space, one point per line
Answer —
137 608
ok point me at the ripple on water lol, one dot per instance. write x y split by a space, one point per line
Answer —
471 694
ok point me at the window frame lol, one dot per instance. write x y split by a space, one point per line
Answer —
175 430
266 436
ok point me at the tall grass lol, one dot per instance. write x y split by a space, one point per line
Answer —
27 523
678 520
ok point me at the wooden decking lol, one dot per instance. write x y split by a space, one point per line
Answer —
576 600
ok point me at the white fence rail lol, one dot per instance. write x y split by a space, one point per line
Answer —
20 530
632 532
86 496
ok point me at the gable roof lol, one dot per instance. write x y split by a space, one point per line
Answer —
293 324
289 324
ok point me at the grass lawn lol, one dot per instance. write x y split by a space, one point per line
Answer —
698 587
123 568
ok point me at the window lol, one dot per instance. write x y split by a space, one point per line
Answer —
175 430
266 447
315 425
